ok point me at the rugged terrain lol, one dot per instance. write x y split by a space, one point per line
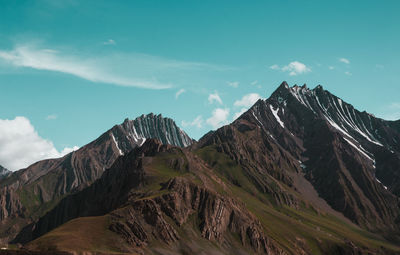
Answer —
301 172
27 194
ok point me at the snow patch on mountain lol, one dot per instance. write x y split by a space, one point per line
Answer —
116 144
275 113
359 149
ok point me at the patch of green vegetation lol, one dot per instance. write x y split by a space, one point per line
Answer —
225 167
81 235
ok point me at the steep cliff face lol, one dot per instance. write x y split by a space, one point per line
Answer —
28 193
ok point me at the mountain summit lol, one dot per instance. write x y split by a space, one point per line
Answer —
302 172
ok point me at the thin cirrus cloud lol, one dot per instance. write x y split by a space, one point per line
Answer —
179 92
51 117
197 122
21 145
293 68
214 98
52 60
109 42
121 69
344 60
233 84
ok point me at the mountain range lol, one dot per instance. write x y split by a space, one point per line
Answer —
302 172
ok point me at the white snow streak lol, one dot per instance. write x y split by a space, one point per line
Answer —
275 113
116 144
357 148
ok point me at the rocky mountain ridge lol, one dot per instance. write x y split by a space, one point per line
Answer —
28 193
301 172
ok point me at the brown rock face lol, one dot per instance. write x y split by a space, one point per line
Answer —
28 193
140 218
341 151
299 173
217 215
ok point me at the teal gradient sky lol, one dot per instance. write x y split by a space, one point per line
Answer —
76 68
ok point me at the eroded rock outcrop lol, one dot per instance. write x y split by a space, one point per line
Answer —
217 215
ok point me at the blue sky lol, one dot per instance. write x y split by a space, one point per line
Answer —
73 69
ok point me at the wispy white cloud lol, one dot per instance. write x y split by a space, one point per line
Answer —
348 73
88 69
254 83
21 145
293 68
179 92
117 68
233 84
331 67
109 42
51 117
197 122
344 60
214 98
275 67
247 100
218 118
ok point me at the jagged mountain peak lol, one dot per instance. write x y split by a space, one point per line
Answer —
149 126
323 104
290 109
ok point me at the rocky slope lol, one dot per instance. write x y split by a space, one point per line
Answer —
28 193
4 172
301 132
140 214
301 172
160 199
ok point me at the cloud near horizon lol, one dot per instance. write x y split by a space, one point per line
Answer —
245 103
218 118
21 145
247 100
